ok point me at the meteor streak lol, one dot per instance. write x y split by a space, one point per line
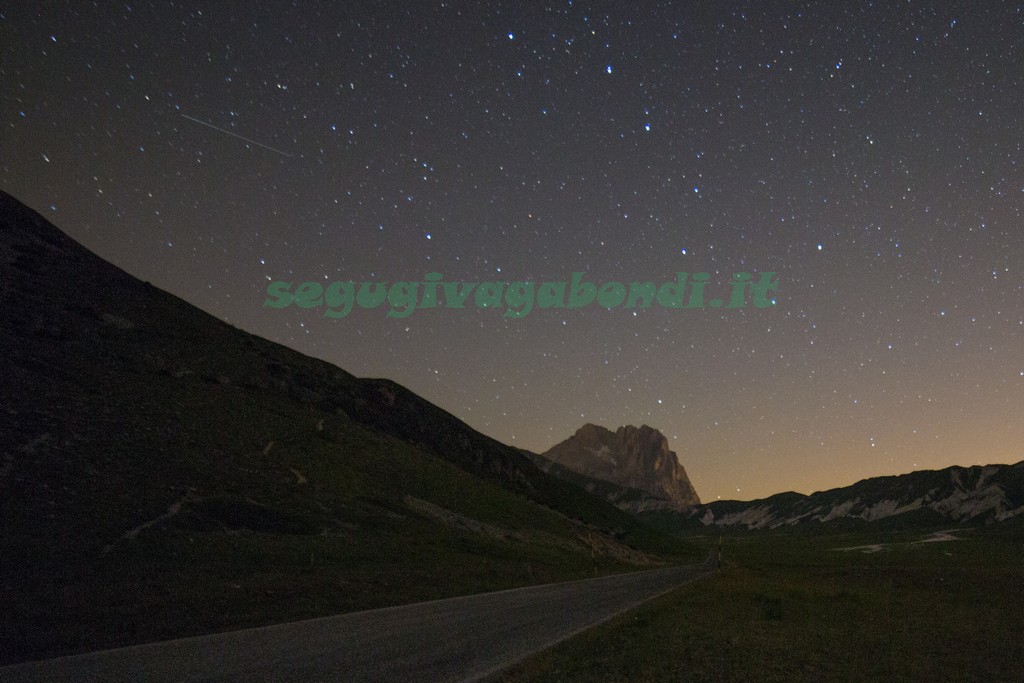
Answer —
236 135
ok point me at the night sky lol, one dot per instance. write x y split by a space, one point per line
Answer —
868 153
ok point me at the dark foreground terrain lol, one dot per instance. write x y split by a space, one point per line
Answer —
163 474
890 607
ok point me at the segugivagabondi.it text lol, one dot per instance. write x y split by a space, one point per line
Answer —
687 291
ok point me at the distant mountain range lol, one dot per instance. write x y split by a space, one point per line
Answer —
955 495
631 467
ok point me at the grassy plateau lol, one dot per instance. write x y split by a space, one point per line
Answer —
791 607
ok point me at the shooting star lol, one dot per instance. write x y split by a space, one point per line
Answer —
236 135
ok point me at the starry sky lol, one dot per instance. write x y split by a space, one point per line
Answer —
868 152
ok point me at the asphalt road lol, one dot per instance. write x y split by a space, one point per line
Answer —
459 639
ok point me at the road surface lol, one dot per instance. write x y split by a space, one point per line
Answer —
458 639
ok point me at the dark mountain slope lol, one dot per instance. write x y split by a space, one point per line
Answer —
163 473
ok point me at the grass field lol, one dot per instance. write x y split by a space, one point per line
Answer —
795 608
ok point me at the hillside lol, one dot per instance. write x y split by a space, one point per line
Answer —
164 473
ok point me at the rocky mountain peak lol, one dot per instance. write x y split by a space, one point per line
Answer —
633 457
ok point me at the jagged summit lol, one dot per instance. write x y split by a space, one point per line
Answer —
632 457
